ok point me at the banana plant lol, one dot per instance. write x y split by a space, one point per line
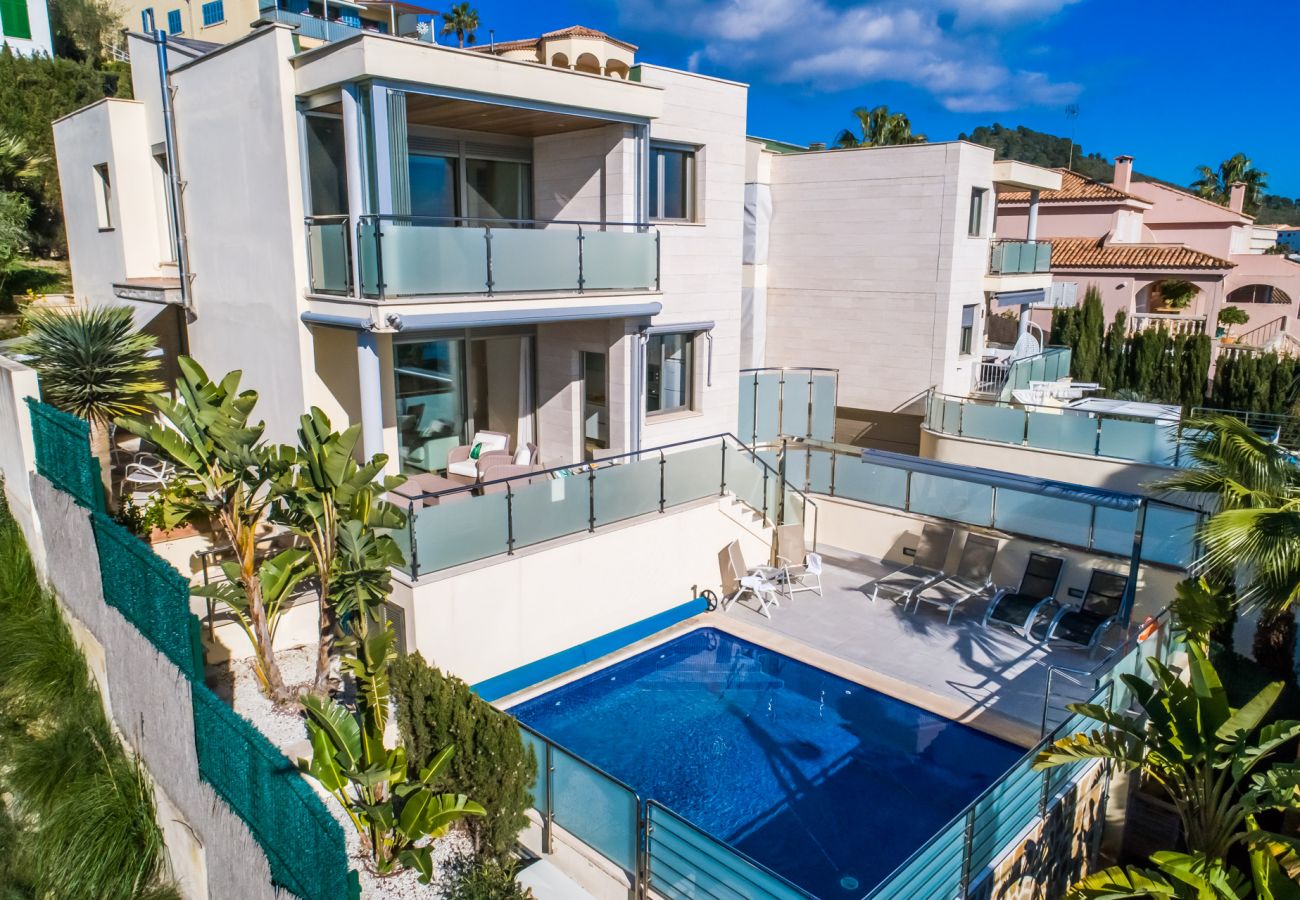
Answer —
224 471
336 506
278 577
1202 751
395 815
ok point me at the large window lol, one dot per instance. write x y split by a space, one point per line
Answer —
669 370
498 189
103 197
326 165
435 183
672 183
975 225
14 21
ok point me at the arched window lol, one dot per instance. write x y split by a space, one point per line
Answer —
616 68
1259 293
560 61
587 63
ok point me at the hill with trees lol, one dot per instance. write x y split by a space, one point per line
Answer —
1053 151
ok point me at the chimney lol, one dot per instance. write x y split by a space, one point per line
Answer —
1123 173
1237 199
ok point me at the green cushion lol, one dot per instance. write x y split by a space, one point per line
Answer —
475 451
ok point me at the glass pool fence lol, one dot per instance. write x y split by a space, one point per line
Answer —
473 522
664 854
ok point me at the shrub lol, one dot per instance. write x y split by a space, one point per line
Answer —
483 879
492 764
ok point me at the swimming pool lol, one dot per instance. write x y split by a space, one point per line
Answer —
828 783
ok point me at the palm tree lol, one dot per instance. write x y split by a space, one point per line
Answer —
462 22
18 166
1252 539
1216 184
880 128
94 364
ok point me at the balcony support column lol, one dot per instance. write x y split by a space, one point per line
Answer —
1031 228
354 159
372 399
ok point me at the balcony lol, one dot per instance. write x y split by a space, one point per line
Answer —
413 256
1020 258
310 26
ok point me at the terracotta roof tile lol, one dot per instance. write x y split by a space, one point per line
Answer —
1093 253
571 31
1073 187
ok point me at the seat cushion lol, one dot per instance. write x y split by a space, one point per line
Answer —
466 468
490 440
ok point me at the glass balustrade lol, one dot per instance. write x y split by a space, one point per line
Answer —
409 256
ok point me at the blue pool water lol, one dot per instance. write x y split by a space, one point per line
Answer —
825 782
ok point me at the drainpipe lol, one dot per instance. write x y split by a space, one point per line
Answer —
638 393
180 241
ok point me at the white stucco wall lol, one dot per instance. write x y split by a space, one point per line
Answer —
701 261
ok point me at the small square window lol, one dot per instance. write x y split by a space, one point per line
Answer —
214 13
975 227
672 183
14 19
174 22
103 197
669 372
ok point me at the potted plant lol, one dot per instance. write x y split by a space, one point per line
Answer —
1229 316
1175 295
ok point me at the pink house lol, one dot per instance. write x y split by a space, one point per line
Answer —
1135 240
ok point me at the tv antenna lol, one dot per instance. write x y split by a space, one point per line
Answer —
1072 113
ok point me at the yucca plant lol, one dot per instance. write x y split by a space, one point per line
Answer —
336 505
396 816
224 472
1206 755
94 364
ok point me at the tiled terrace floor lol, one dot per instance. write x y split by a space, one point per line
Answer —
962 671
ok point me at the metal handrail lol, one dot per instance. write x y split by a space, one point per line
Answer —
492 221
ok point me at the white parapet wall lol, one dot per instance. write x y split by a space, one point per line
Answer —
17 452
487 618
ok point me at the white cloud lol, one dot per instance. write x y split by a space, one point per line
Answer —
947 47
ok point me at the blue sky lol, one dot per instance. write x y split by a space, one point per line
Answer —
1173 84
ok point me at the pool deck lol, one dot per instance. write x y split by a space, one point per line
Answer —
989 678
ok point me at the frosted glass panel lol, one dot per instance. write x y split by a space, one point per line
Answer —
549 509
460 531
993 423
1063 431
882 485
528 259
418 259
1113 530
618 259
627 490
765 406
328 245
692 474
1169 536
949 498
819 471
823 407
1046 517
745 478
1138 441
599 812
795 394
952 416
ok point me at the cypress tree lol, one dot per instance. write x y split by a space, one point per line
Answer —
1092 324
1113 348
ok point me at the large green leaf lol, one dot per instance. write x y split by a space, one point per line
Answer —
323 765
446 809
339 728
1247 719
1110 745
421 860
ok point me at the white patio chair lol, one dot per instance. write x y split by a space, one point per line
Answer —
800 569
148 473
738 582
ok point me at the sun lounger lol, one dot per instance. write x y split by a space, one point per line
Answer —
926 568
973 577
1038 586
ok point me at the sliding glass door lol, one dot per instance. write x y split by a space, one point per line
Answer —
450 388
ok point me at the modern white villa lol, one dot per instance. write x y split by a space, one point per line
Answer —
607 337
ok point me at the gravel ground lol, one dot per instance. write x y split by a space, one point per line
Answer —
287 730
